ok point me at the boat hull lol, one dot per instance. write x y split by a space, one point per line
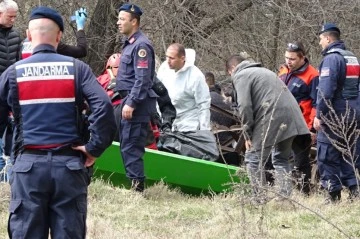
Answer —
191 175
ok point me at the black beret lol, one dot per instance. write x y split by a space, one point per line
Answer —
327 27
49 13
132 8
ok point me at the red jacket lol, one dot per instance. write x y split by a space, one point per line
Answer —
105 80
303 83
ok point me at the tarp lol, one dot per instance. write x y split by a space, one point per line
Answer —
199 144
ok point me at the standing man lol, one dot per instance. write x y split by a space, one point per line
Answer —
133 83
271 120
338 87
45 92
10 40
302 80
10 47
187 89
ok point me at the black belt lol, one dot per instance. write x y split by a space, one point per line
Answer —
123 93
60 152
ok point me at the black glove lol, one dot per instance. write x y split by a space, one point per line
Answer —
165 128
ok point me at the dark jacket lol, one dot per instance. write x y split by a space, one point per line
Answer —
332 71
136 74
219 118
45 116
10 47
78 51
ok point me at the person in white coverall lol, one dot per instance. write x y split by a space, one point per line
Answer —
187 89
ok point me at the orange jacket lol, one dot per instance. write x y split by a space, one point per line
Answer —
303 83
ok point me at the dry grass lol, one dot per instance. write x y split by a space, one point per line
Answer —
164 213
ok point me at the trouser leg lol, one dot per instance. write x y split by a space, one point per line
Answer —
132 143
6 148
117 113
255 162
280 157
329 164
301 149
348 176
68 204
30 184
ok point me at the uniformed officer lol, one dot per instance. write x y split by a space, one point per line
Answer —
338 89
45 92
133 83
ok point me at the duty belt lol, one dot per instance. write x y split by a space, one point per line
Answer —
59 152
123 93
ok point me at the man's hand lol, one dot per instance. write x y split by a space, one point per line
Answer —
317 124
90 160
127 112
248 144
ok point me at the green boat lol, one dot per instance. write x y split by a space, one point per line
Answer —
191 175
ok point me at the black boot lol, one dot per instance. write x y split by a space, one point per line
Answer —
137 185
333 197
302 181
354 192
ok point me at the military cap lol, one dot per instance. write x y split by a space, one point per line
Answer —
132 8
327 27
49 13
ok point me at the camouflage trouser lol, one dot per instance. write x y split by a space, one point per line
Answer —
48 192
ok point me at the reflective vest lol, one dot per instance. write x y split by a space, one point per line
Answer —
46 97
350 88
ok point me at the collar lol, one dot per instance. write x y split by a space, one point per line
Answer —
44 48
245 64
2 27
338 44
134 37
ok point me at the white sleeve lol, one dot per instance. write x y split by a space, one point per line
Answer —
203 100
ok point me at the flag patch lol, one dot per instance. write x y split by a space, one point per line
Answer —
142 64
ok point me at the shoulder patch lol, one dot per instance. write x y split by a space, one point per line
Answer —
325 71
142 53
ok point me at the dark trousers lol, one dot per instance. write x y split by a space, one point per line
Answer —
48 192
117 113
334 170
301 150
132 143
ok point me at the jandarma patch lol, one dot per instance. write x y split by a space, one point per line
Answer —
142 53
325 72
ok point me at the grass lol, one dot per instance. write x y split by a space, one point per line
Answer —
163 213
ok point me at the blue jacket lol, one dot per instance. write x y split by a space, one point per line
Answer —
136 74
332 72
41 93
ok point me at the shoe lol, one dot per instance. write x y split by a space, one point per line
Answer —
333 197
137 185
354 192
302 184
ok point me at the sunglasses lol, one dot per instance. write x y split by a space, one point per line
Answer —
293 47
